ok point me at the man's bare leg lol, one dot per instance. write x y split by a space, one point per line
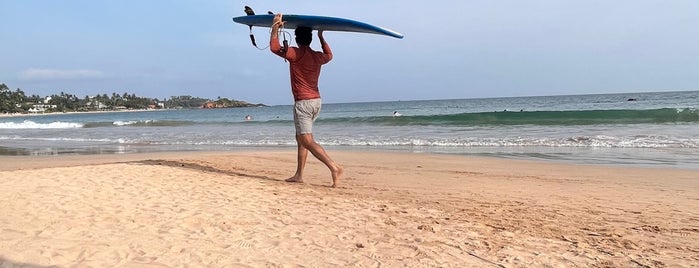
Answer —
311 145
301 156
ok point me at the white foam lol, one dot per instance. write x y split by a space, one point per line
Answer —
33 125
124 123
132 122
18 138
600 141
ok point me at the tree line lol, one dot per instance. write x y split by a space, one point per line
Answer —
18 102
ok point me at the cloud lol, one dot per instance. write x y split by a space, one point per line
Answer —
54 74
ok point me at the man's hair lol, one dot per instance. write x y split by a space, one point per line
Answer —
304 36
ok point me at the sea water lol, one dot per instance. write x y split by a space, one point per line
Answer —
638 129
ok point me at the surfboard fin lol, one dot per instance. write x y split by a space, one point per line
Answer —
249 11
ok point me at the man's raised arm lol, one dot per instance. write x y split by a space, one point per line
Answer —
274 45
324 45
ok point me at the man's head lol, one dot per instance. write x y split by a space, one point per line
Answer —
304 36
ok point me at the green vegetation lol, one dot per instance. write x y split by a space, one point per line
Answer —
18 102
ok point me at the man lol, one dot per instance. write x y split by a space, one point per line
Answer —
304 66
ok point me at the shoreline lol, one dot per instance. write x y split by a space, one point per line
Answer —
12 162
105 152
429 210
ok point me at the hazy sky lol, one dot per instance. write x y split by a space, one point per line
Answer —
451 49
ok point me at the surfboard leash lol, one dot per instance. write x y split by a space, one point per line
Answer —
248 11
284 33
285 43
252 39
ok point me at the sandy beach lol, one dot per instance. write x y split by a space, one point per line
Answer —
232 209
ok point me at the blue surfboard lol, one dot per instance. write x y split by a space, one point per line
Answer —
317 23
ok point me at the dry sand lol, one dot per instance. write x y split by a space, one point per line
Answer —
418 210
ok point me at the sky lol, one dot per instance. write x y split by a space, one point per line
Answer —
451 50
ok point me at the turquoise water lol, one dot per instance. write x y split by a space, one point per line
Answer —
648 129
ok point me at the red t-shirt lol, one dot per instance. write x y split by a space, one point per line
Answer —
304 67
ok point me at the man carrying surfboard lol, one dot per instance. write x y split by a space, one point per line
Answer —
304 67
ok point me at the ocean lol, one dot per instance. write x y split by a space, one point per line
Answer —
658 129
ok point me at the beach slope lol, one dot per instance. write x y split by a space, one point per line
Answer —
418 210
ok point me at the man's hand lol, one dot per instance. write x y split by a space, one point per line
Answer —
276 24
277 20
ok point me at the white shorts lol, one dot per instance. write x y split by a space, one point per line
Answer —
305 113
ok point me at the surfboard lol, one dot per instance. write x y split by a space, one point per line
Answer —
317 23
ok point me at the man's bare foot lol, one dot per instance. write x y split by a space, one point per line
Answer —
294 179
337 174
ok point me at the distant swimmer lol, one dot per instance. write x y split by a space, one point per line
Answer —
248 118
632 99
396 113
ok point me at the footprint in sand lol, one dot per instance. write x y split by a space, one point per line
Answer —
401 255
243 244
192 223
10 234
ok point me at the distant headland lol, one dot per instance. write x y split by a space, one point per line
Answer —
17 102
